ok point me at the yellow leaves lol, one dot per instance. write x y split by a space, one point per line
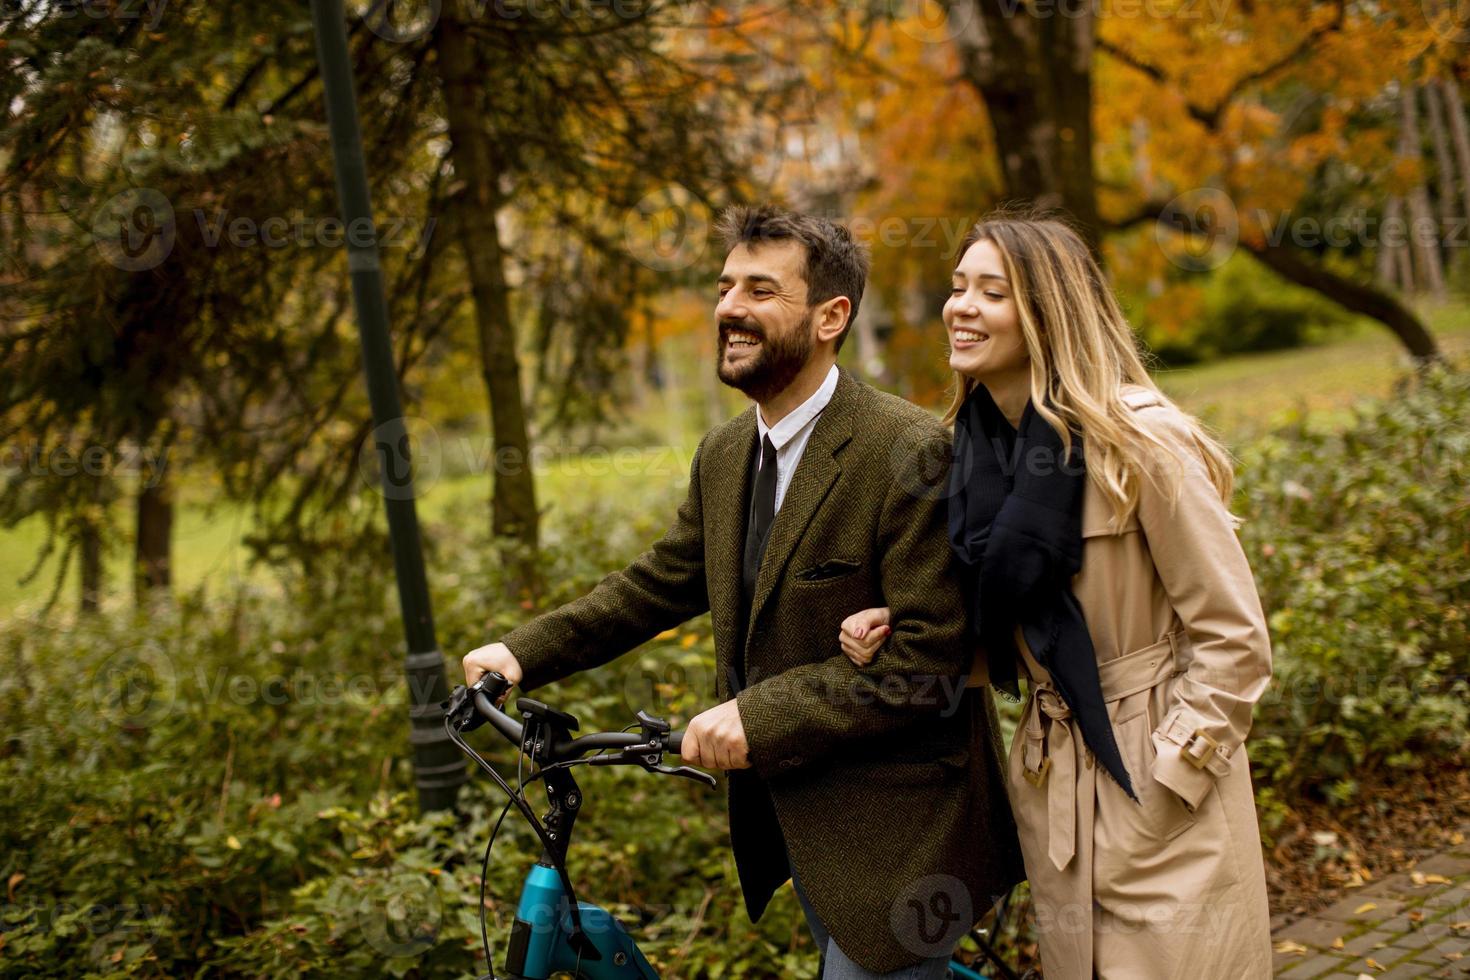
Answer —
1365 907
1291 947
1420 879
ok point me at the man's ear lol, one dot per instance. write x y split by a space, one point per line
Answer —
832 317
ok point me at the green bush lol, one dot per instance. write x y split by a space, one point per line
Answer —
225 789
1360 541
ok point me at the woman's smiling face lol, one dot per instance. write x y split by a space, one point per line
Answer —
981 316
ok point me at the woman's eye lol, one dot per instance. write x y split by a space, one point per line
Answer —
994 295
957 291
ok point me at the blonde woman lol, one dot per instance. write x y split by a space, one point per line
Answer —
1088 516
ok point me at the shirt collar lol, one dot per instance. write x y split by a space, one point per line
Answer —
800 417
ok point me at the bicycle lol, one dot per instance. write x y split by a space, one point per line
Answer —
553 932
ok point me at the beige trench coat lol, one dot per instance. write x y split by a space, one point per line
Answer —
1174 888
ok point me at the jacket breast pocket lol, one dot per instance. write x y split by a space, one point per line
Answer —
828 569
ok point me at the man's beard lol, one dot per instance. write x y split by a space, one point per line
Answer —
779 361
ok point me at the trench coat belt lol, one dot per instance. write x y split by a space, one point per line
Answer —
1049 755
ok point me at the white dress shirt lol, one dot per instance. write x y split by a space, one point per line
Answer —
790 435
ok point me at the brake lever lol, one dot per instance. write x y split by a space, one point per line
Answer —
688 772
647 756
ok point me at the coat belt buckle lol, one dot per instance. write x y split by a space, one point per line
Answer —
1202 759
1039 776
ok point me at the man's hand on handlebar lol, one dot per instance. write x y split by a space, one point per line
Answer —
496 657
715 739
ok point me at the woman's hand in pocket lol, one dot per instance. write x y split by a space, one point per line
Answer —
863 633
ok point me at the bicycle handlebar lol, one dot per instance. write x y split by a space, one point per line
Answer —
563 750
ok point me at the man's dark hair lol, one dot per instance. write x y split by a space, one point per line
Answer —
836 263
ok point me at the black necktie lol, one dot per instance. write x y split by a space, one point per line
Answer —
765 489
762 512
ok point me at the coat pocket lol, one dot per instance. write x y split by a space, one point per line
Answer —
1162 815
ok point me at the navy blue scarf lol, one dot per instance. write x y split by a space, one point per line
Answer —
1015 523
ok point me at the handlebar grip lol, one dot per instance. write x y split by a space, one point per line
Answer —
675 741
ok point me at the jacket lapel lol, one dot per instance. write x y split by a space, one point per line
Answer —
815 474
725 513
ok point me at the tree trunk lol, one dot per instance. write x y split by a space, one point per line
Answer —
1444 165
1394 269
152 573
1034 74
1423 235
1454 110
89 543
513 496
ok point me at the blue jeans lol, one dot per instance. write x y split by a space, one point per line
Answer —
836 965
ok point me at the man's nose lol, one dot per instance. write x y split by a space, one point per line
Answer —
731 306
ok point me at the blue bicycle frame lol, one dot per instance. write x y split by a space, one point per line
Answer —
541 937
541 946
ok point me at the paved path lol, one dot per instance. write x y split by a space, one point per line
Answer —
1414 924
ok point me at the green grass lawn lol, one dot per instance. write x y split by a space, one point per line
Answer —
1239 396
1243 395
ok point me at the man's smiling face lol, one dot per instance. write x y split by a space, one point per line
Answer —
765 323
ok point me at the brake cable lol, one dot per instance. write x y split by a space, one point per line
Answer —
517 797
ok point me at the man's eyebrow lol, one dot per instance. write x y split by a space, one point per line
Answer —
727 279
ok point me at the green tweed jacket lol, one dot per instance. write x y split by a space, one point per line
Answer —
885 783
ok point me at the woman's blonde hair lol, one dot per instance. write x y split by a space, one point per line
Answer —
1082 354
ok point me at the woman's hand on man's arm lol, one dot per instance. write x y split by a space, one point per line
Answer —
863 633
